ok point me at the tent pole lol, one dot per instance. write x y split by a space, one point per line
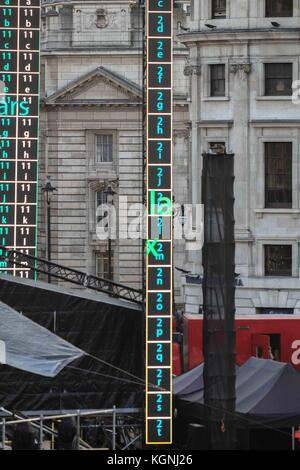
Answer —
41 431
78 430
114 428
3 433
293 438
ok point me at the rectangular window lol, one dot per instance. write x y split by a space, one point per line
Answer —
101 198
275 311
217 80
104 148
217 147
277 8
278 174
278 260
102 265
218 8
278 79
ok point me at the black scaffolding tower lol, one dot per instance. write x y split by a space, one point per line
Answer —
219 297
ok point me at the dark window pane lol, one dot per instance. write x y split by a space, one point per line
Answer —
278 260
217 80
278 79
278 174
277 8
102 265
218 8
101 199
276 311
104 148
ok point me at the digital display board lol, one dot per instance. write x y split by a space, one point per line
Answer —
159 24
19 115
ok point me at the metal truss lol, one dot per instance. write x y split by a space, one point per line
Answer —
73 276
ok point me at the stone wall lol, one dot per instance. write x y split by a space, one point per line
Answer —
73 112
244 119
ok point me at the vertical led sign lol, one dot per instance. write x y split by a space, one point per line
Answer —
159 24
19 119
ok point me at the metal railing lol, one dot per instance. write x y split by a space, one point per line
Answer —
73 276
38 422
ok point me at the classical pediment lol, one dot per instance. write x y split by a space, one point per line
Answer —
98 87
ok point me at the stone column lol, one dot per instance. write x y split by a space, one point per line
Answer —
193 70
239 145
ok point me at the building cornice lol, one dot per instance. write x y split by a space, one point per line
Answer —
99 104
233 35
54 3
179 102
92 103
215 123
275 122
114 51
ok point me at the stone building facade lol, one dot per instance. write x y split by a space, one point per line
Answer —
247 53
235 62
91 129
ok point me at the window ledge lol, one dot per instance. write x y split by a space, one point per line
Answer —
274 98
100 164
278 277
94 239
216 98
261 212
104 170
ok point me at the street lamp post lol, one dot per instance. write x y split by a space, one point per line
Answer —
110 193
48 190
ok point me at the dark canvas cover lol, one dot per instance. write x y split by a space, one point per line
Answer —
267 393
101 325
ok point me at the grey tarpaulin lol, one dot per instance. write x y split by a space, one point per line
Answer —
28 346
267 393
190 382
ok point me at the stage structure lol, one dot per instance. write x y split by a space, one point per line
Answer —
105 327
19 114
218 297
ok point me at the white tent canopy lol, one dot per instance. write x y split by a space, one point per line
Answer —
28 346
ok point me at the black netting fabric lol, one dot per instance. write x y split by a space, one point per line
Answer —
218 298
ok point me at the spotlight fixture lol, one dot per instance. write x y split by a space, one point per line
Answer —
275 24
